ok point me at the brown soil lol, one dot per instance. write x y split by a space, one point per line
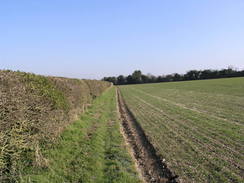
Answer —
151 166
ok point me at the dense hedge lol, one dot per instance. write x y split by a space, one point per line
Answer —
33 110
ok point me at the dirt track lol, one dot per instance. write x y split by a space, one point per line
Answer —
152 168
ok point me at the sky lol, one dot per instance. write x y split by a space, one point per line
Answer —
97 38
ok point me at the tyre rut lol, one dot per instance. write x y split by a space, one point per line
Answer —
152 167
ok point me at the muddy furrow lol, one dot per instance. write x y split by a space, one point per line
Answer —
151 166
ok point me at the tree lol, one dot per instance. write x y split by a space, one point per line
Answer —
110 79
160 79
177 77
205 74
129 79
192 75
151 78
144 78
169 77
121 80
137 77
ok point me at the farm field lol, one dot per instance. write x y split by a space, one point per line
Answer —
196 126
90 150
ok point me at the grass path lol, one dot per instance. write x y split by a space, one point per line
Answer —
90 150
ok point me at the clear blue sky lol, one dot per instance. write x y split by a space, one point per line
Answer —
96 38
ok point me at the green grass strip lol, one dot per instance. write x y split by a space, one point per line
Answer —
90 150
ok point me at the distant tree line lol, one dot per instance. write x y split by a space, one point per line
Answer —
138 78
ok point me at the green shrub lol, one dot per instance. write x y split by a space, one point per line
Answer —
46 89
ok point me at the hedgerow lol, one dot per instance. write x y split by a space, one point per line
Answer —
34 110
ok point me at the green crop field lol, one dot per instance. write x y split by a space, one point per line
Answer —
197 126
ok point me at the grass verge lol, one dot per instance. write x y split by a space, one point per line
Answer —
90 150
